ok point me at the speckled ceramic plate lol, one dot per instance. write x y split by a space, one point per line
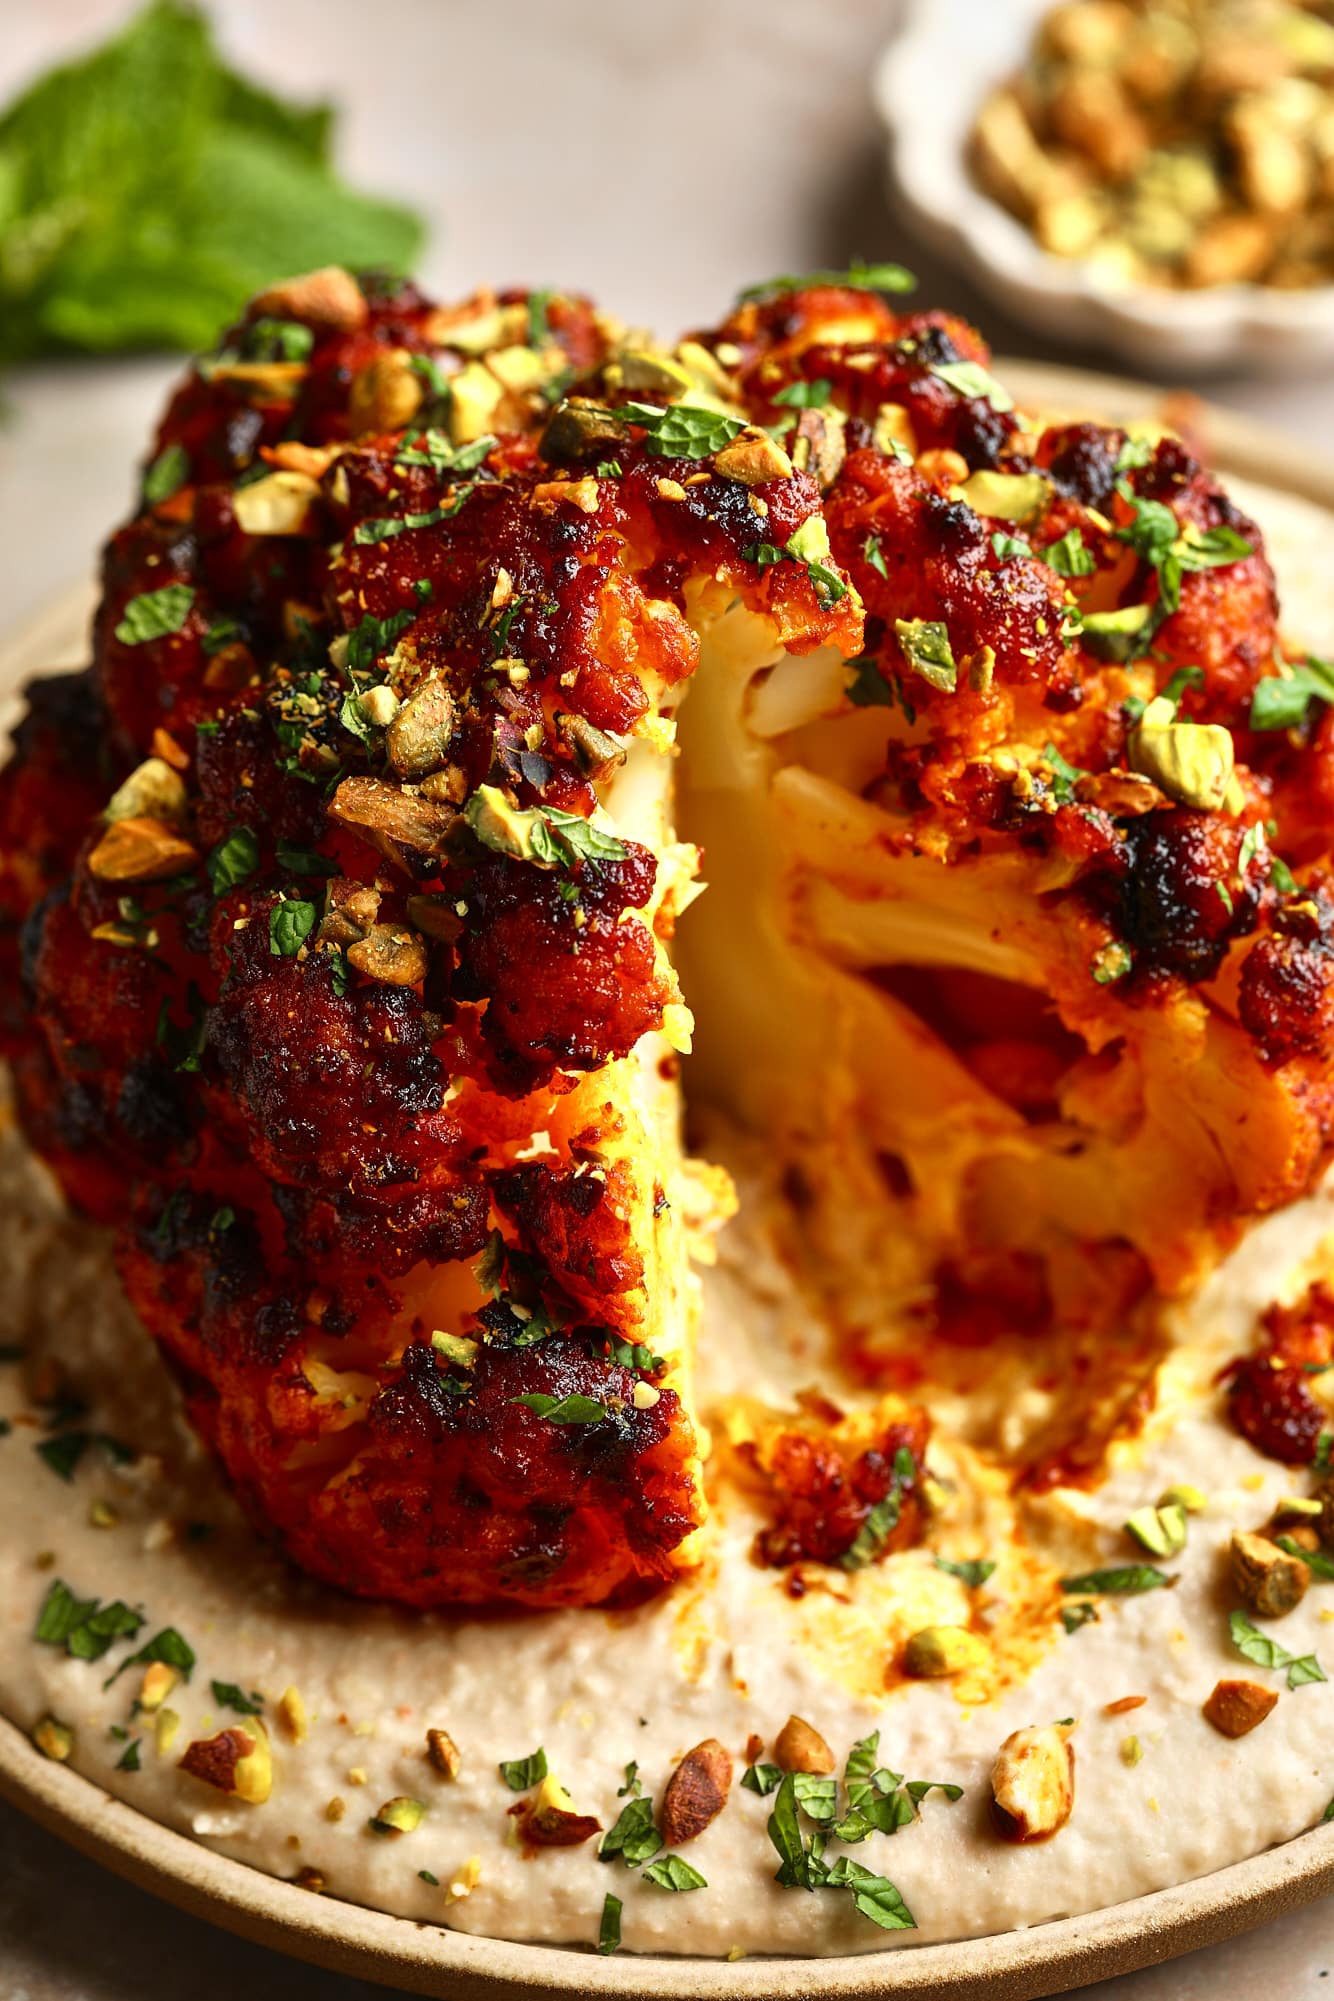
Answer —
428 1959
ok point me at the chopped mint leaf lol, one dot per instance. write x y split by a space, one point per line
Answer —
166 1646
290 924
84 1627
1069 557
875 556
858 278
802 395
682 430
972 1573
609 1930
153 614
762 1779
520 1774
969 378
231 1697
232 860
925 644
166 475
1121 1578
573 1409
633 1836
1280 701
673 1872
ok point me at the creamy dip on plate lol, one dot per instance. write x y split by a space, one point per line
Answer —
348 1691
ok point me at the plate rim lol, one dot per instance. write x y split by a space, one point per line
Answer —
432 1959
1019 1965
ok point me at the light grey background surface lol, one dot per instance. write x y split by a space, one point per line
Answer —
658 153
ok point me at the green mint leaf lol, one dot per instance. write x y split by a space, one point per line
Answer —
386 528
925 644
784 1830
682 430
233 860
1127 1577
873 1534
972 1573
573 1409
166 475
1265 1652
167 1646
816 1795
128 1760
875 556
63 1452
609 1931
1280 702
155 614
1004 546
858 278
762 1779
673 1872
803 395
290 924
231 1697
874 1896
304 861
633 1836
1069 557
520 1774
969 378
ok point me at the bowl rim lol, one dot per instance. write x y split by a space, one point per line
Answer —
404 1953
961 217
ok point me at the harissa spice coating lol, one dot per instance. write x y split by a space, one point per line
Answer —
296 1063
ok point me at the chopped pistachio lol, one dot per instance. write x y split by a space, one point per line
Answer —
1297 1508
443 1753
292 1713
53 1739
378 706
278 504
753 457
1113 635
166 1725
1269 1580
102 1515
420 731
1162 1530
1006 496
1191 762
152 791
159 1680
1131 1750
937 1651
892 432
399 1815
1033 1782
336 1808
1184 1496
457 1348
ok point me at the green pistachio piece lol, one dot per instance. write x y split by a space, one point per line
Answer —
1162 1531
1191 762
1006 496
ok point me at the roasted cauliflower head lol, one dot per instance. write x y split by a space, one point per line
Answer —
344 881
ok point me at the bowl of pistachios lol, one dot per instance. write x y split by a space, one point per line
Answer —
1152 176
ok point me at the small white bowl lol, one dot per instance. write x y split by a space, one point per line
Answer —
928 87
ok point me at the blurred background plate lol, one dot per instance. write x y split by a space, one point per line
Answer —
929 84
